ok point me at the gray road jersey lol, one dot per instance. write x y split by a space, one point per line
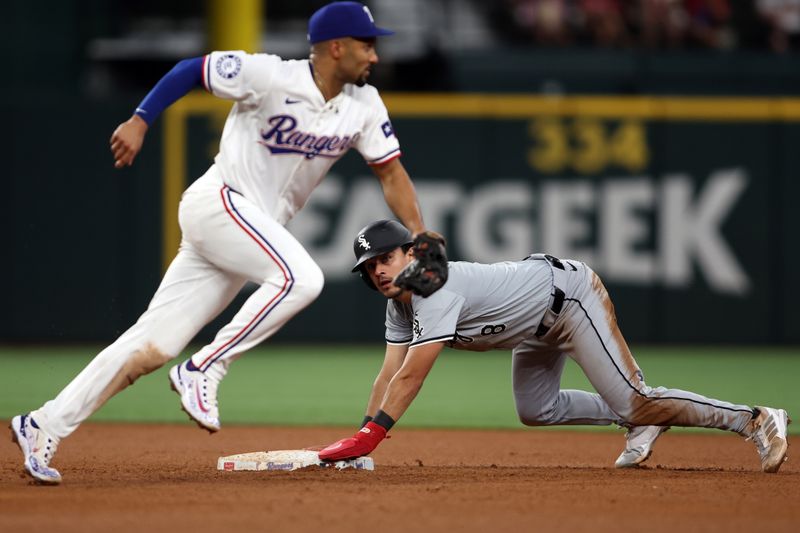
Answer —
481 307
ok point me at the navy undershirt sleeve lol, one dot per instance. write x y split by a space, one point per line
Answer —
183 77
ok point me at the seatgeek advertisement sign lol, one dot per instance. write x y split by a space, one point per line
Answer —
674 215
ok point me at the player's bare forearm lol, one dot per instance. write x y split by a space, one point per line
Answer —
376 396
400 195
401 392
405 385
392 361
126 141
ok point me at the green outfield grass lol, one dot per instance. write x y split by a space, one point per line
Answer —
318 385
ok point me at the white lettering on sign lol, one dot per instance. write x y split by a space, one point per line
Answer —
332 217
566 213
486 240
633 230
690 230
624 230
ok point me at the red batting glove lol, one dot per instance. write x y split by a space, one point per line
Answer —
366 440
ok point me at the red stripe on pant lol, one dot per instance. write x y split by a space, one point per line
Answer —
286 282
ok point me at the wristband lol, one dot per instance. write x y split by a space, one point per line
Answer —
366 419
383 420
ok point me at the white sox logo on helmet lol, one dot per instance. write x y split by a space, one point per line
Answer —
362 241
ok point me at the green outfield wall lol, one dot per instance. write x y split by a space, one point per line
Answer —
685 206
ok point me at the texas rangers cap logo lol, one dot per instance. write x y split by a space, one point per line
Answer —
362 241
343 19
367 11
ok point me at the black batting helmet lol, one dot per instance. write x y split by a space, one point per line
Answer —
376 239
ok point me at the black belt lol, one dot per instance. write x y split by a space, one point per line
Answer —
558 294
555 307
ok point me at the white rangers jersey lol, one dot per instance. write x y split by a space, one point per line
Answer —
281 137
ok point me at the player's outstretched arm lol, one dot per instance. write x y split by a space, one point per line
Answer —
392 361
402 390
126 141
400 195
407 382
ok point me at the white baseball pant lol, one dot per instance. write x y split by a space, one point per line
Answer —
227 241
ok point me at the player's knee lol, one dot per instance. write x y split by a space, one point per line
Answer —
308 282
535 414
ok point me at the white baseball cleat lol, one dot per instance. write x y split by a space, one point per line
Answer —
768 432
198 394
639 445
37 447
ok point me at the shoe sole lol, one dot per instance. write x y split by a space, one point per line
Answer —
19 442
643 458
634 464
174 386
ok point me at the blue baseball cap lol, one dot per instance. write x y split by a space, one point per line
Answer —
343 19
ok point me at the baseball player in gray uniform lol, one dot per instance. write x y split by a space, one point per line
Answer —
290 121
544 309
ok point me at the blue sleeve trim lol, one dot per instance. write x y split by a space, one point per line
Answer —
183 77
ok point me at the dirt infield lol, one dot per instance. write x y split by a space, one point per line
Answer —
126 478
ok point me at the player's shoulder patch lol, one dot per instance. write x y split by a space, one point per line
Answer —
228 66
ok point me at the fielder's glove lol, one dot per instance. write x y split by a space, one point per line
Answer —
428 272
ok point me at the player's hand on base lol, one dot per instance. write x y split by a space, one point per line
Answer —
366 440
126 141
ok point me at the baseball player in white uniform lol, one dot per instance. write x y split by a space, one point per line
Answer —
290 122
543 309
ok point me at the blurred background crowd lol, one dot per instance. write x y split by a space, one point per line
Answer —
716 24
132 42
667 24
